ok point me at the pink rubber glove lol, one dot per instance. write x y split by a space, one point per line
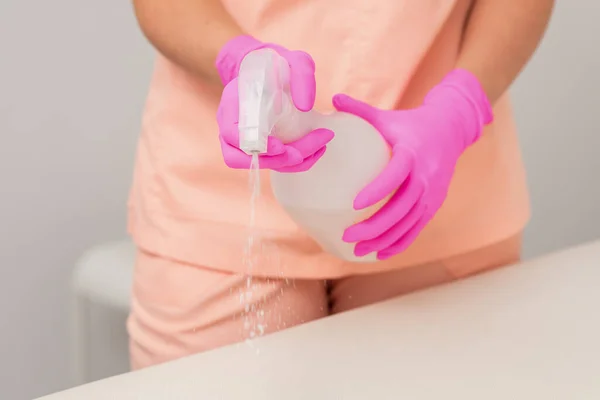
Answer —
292 157
426 144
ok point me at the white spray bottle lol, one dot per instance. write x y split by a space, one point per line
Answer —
319 200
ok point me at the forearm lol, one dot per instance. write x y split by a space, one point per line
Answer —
188 32
500 37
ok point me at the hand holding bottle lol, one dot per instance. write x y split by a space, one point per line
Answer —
292 157
426 144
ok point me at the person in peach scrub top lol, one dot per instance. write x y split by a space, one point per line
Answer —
431 75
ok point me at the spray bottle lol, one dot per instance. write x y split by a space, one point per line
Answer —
320 200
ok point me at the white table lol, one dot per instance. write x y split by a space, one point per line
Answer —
530 332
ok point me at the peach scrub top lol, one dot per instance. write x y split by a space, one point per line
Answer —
186 205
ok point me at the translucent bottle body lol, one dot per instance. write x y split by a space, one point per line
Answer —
319 200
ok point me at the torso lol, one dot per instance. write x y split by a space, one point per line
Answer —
186 204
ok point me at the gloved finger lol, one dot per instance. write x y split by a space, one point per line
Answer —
312 142
233 156
237 159
275 146
289 158
229 111
389 237
393 211
304 165
282 51
229 133
231 55
345 103
404 242
303 86
393 176
228 115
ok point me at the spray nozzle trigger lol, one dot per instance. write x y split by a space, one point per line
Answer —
263 87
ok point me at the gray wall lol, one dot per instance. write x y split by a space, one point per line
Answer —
73 76
558 114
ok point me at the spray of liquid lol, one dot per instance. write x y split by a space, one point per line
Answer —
254 325
254 183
